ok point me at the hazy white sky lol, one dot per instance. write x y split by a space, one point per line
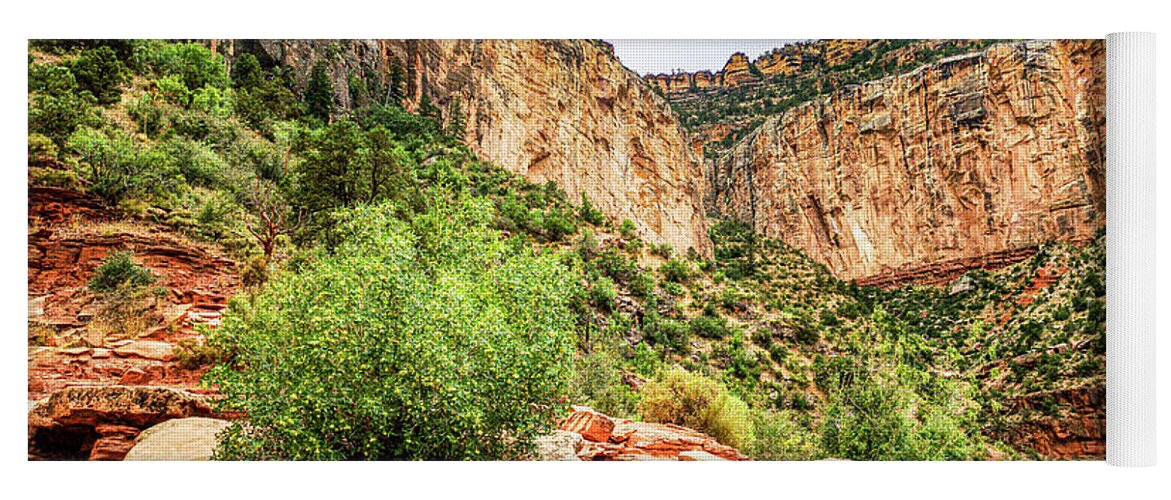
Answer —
664 56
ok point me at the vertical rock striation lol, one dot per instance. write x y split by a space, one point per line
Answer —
565 111
928 172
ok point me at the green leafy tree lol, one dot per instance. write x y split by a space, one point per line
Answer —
428 339
196 65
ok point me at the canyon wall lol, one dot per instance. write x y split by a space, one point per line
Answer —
975 155
565 111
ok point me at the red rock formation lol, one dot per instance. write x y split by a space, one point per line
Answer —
974 156
621 439
69 236
1077 432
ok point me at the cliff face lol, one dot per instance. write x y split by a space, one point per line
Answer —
975 155
565 111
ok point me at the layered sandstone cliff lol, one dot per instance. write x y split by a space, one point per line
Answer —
565 111
974 155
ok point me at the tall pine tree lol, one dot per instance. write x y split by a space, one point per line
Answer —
319 98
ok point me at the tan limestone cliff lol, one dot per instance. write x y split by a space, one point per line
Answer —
982 154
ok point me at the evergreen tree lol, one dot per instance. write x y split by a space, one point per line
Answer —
246 73
394 85
456 121
100 72
319 98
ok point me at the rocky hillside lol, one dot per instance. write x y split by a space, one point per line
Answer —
966 162
552 111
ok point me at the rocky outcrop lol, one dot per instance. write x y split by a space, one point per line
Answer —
1062 424
565 111
182 439
606 438
101 422
989 153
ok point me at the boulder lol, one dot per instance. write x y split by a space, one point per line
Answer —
559 446
187 439
592 425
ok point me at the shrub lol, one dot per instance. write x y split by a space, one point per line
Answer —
665 332
693 400
597 383
589 213
51 79
710 327
627 229
665 250
676 270
213 101
119 168
603 293
173 90
147 112
119 269
427 339
779 436
555 226
59 116
41 150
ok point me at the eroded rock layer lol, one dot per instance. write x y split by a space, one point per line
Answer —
565 111
976 155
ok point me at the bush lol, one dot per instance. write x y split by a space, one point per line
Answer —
710 327
665 332
59 116
428 339
589 213
119 269
555 226
597 383
693 400
779 436
603 293
627 229
676 270
41 151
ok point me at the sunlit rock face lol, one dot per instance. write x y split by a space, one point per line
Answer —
986 154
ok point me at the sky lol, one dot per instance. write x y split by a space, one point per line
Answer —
666 56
